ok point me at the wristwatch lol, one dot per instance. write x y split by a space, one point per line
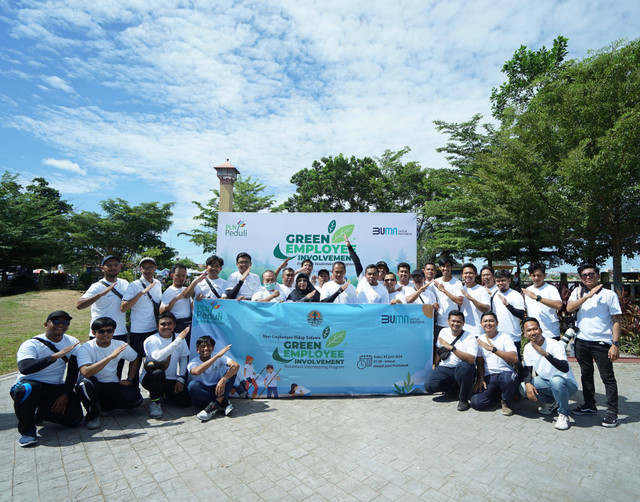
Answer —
494 350
538 298
617 344
453 348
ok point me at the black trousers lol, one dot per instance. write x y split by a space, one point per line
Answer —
586 353
158 385
29 395
96 395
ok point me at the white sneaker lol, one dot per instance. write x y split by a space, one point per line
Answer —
208 412
155 410
562 423
228 409
94 424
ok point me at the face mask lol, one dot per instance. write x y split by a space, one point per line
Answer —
270 286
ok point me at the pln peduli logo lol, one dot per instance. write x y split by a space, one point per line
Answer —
327 246
238 229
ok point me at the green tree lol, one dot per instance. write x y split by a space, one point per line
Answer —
33 223
247 197
124 230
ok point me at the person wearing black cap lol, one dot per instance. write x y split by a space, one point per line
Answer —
104 297
41 383
421 291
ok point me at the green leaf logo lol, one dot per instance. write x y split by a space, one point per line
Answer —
339 234
336 339
278 254
325 332
332 226
277 357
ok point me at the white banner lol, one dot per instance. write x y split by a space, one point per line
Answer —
271 237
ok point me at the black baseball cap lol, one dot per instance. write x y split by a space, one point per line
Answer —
58 313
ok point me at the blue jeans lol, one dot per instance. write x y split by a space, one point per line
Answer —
499 386
202 395
557 388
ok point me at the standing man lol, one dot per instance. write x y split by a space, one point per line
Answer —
598 320
395 296
177 298
476 300
421 291
487 278
288 274
554 379
455 366
509 308
497 381
100 388
242 284
543 301
404 274
143 297
338 290
449 294
212 286
41 383
104 297
270 290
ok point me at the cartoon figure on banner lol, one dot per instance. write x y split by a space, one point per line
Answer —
271 382
298 390
250 377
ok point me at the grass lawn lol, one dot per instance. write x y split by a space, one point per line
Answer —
23 316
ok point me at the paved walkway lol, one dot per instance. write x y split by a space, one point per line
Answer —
396 448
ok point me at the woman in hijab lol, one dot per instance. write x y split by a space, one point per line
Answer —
304 291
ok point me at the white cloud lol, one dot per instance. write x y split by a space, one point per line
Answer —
57 83
65 165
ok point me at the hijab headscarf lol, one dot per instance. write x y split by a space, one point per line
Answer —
300 295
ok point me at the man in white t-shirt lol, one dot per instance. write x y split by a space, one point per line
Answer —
143 297
421 292
100 388
497 381
554 379
177 298
509 308
457 370
543 301
371 290
242 284
211 286
165 368
404 275
104 297
395 296
598 319
288 275
487 279
212 378
475 301
338 290
449 294
270 289
41 384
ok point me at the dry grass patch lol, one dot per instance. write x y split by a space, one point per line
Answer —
23 316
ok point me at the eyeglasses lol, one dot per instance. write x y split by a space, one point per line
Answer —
105 331
588 274
58 322
389 280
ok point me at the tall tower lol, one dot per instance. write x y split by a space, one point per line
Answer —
227 174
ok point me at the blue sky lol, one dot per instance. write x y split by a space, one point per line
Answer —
139 100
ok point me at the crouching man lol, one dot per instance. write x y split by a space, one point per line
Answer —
41 383
497 381
164 354
99 388
212 378
554 378
454 361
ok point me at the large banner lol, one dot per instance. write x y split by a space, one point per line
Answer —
270 238
321 349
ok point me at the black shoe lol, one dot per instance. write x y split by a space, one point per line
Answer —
610 420
463 405
584 410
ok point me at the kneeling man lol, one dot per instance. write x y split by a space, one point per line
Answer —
99 388
496 378
454 361
555 379
212 378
